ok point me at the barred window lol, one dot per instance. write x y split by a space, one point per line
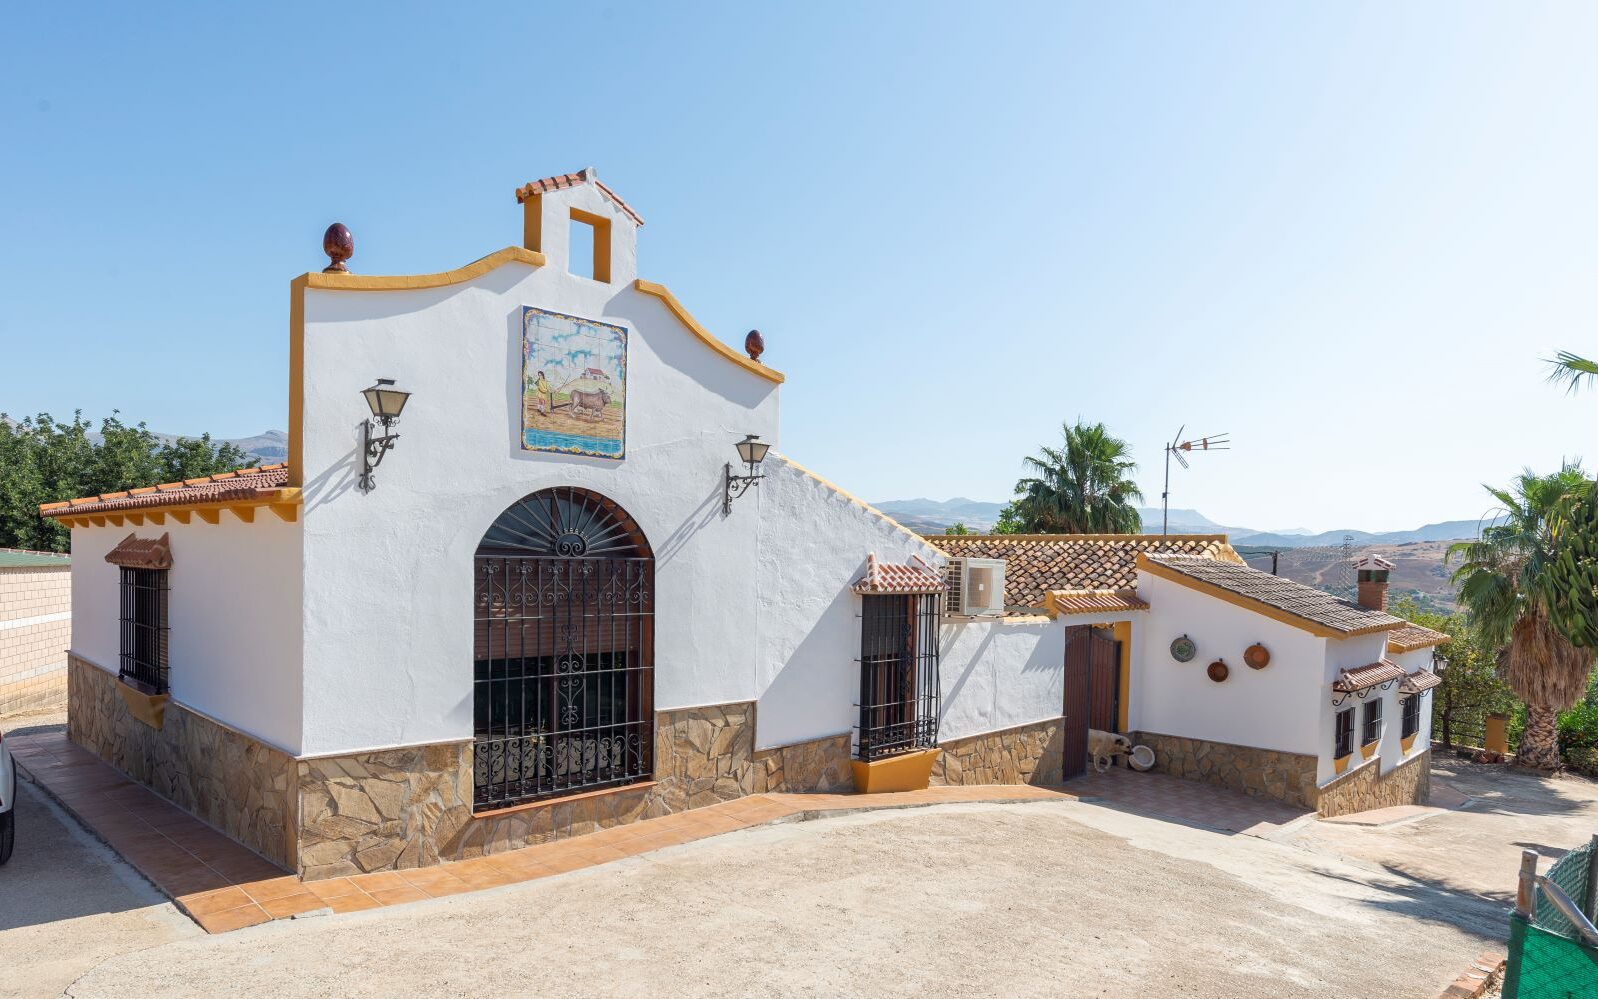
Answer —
898 674
144 629
1345 733
1372 729
1411 715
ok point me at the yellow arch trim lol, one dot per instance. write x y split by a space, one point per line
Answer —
407 282
661 292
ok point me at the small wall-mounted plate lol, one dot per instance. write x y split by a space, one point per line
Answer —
1183 649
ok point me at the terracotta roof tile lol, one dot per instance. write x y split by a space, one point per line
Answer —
1419 681
245 483
1351 680
1299 601
134 552
1094 601
1413 636
1038 563
890 577
564 180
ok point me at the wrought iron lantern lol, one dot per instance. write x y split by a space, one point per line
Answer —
1439 661
386 404
752 451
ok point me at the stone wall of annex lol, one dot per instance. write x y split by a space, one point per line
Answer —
232 781
1026 754
1287 777
1366 787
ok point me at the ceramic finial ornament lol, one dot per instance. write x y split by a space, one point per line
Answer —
339 245
754 345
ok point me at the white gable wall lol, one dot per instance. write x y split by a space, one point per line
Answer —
233 615
1000 673
1273 708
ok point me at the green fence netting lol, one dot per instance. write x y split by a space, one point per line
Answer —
1547 960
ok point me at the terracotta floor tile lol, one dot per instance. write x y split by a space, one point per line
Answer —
353 902
233 919
265 891
442 887
395 896
330 888
292 905
202 903
486 877
379 881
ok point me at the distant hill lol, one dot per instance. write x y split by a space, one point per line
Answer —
268 447
932 516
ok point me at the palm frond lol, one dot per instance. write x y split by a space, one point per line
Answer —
1571 370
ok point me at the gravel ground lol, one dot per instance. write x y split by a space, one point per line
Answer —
1057 899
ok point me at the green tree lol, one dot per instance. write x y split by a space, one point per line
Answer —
46 461
958 527
1472 687
1010 521
1573 577
1504 581
1083 487
1571 370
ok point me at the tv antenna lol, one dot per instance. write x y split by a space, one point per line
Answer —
1181 449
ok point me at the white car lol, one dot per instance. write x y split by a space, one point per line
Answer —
8 800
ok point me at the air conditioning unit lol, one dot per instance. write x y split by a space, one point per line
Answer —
976 587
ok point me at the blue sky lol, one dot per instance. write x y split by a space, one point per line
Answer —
1344 233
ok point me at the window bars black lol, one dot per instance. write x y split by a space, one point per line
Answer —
899 690
1372 729
144 630
1411 716
1345 733
564 651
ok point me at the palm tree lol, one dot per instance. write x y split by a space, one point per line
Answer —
1503 579
1084 487
1571 370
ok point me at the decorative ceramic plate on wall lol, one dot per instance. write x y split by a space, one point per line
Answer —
1257 656
1218 671
1183 649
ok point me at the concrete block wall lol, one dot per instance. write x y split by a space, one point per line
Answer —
35 632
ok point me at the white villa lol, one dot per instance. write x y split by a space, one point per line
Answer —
518 580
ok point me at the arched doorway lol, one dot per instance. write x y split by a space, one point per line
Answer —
563 681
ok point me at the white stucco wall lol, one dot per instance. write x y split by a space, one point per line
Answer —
1273 708
388 585
814 541
233 617
1000 673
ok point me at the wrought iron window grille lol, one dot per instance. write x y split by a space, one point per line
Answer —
144 630
899 690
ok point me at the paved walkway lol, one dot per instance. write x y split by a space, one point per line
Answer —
1186 801
224 886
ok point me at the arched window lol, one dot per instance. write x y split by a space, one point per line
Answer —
563 691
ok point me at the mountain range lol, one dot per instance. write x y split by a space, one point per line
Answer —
933 516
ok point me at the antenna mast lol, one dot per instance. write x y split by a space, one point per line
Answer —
1181 449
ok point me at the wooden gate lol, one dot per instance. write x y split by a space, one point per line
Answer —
1092 691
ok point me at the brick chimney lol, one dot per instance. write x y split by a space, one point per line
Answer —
1372 571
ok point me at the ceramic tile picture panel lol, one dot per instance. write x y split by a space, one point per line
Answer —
574 384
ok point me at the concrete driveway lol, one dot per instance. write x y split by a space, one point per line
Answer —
1058 899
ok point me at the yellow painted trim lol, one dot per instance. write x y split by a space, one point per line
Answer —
601 226
147 708
285 497
910 772
412 282
181 516
1340 764
1238 600
1123 634
533 223
296 458
286 512
212 515
661 292
116 519
1407 742
243 511
97 521
136 519
157 517
1368 750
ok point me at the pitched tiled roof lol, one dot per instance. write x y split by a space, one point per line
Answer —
134 552
890 577
1413 636
584 176
1037 563
1419 681
1293 603
246 483
1093 601
1351 680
